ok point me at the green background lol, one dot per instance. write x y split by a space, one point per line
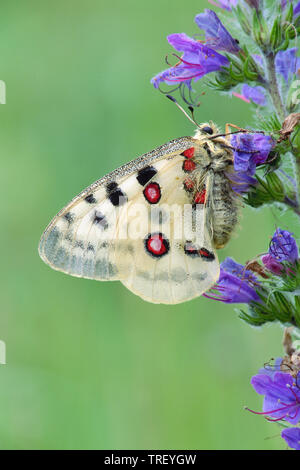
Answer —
90 365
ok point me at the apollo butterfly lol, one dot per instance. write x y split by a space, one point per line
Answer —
154 223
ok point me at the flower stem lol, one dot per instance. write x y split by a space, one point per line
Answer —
279 108
297 177
272 87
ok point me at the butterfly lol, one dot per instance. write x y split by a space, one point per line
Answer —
155 223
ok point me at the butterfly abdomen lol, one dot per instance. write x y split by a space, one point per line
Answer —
225 206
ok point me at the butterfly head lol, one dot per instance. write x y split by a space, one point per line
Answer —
206 130
214 149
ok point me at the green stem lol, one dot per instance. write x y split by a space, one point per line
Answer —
279 108
272 87
297 176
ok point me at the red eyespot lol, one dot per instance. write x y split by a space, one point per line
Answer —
152 193
200 197
189 153
189 165
156 244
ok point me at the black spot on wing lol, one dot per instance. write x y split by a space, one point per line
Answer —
79 244
145 175
100 220
115 194
111 186
90 199
69 218
191 250
206 254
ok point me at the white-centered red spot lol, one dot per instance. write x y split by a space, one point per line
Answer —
189 153
189 165
157 244
152 193
200 197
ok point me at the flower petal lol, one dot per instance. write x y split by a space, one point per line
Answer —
255 94
216 35
283 246
197 61
297 10
241 181
292 437
286 62
250 150
225 4
261 383
235 290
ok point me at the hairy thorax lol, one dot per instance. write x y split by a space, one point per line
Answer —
216 159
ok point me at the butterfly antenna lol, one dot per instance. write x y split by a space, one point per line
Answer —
192 110
228 133
240 131
182 110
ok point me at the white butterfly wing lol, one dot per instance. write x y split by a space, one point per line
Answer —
102 234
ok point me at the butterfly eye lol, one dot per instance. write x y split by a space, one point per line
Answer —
208 130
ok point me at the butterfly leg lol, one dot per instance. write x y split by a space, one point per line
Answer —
228 126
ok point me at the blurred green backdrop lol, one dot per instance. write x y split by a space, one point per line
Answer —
89 365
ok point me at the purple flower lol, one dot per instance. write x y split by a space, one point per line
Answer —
225 4
271 370
216 36
272 265
197 61
292 437
250 150
255 94
241 181
235 284
283 246
297 10
287 63
282 396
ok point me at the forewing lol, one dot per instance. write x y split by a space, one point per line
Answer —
81 239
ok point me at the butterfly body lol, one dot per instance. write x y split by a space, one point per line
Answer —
154 223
